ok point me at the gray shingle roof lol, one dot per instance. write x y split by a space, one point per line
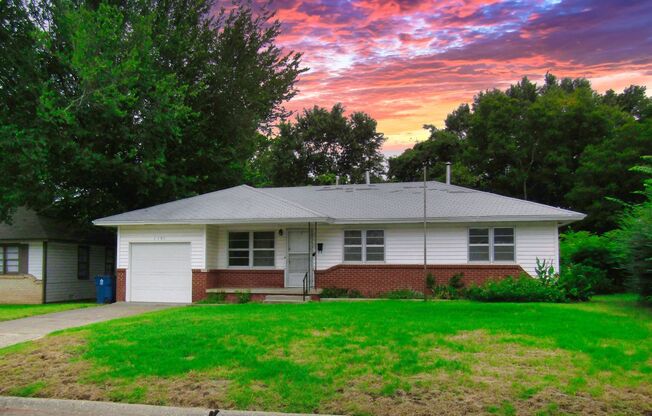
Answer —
386 202
29 225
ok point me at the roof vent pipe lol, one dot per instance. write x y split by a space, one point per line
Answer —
337 180
366 178
448 173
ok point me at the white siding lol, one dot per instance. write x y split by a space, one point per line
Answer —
193 234
446 243
536 240
35 260
62 283
280 243
212 246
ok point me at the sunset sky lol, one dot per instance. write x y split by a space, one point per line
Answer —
411 62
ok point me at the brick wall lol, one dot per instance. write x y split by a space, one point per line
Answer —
373 280
120 285
246 278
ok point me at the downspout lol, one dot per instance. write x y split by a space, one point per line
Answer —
44 272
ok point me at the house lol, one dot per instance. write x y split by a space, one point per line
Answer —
44 260
368 237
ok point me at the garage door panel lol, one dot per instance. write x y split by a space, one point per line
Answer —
160 272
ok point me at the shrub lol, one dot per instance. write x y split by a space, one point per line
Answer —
635 235
340 292
600 252
219 297
516 289
243 297
580 282
403 294
453 290
430 281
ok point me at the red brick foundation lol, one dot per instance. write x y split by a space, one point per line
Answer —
246 278
120 285
373 280
370 280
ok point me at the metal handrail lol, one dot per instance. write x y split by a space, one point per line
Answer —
306 286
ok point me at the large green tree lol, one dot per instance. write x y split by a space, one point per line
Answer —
321 144
144 101
560 143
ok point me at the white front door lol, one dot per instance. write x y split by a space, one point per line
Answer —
298 258
160 272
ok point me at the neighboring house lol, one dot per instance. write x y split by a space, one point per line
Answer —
43 260
364 237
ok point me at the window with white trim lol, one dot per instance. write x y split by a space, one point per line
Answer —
491 244
364 246
9 259
251 249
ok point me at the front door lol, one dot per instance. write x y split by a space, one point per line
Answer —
298 258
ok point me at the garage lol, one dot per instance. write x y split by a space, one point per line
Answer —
160 272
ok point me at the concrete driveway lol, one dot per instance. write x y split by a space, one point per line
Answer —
34 327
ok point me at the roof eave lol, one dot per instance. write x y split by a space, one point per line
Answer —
508 218
116 223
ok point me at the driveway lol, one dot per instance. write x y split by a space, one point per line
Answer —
34 327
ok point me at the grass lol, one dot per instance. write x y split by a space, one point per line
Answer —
8 312
454 357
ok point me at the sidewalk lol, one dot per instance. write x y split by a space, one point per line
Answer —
19 406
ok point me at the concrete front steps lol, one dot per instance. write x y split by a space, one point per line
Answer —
285 299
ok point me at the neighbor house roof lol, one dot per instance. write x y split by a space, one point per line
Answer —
27 224
375 203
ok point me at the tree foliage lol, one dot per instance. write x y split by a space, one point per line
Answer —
321 144
560 143
119 105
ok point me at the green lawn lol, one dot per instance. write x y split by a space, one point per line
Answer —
452 357
8 312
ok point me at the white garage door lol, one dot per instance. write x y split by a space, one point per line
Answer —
160 272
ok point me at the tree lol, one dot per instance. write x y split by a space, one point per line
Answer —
442 146
560 144
321 144
635 235
147 101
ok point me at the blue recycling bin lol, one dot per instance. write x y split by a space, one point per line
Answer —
105 289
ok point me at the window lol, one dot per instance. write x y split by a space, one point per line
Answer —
372 246
264 248
375 245
479 244
352 245
503 244
239 249
109 260
83 262
9 259
491 244
248 249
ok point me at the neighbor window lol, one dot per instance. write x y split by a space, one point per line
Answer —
9 259
83 262
368 245
109 260
491 244
249 249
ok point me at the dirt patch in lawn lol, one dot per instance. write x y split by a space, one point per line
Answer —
468 373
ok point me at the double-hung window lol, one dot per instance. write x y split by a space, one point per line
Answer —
251 249
364 246
491 244
9 259
83 262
